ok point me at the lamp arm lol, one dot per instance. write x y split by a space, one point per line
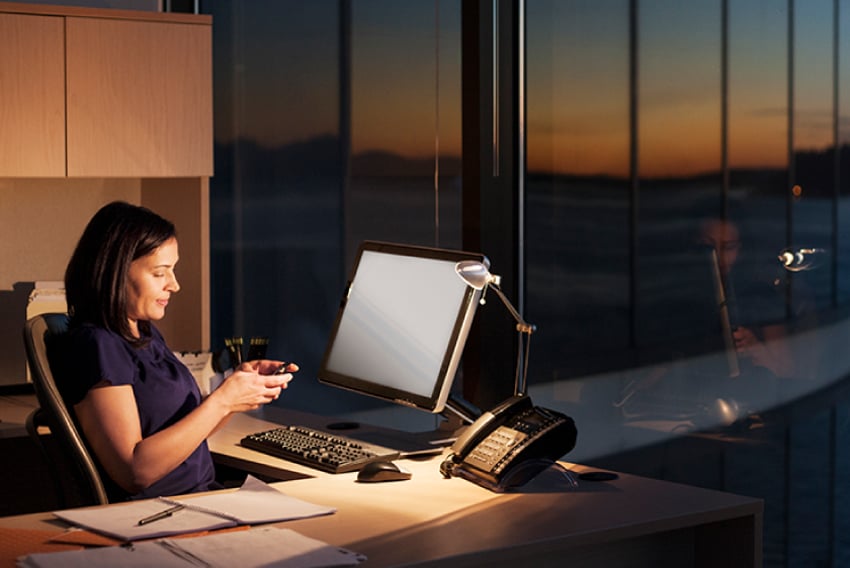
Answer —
521 325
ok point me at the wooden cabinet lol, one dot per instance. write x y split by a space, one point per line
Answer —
32 95
139 98
99 105
104 93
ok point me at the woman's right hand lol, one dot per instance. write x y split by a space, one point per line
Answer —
246 389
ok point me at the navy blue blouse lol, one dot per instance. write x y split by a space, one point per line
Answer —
164 388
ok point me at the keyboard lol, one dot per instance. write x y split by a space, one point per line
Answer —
326 452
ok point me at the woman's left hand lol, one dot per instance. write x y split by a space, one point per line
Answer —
268 367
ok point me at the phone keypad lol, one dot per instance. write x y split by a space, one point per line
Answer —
494 453
495 447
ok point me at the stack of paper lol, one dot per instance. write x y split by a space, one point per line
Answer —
254 503
267 547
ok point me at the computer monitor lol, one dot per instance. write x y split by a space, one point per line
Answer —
722 303
402 325
691 319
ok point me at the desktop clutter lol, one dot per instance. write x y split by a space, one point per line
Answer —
386 346
503 449
145 527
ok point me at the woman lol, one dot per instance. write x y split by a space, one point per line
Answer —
765 346
139 408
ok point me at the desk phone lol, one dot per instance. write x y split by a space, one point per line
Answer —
509 445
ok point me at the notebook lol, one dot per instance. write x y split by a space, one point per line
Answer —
253 503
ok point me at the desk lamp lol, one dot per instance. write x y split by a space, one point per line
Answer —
478 276
802 259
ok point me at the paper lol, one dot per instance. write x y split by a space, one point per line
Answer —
267 547
121 520
143 555
200 365
257 502
254 503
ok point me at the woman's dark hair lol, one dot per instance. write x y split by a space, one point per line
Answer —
96 276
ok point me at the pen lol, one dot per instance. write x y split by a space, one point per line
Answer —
161 515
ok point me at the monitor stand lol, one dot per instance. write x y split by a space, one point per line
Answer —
462 409
457 414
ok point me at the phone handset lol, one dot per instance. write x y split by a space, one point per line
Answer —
486 423
509 445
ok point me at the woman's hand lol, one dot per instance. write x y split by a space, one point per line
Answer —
269 367
254 384
773 353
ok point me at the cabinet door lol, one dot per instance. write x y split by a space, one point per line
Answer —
32 96
139 98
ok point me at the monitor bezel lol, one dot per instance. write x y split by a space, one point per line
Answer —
436 401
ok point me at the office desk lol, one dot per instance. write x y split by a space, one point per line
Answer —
431 521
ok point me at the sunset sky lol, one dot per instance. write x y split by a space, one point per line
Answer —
406 80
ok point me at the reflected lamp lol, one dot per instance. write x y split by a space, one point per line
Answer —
801 259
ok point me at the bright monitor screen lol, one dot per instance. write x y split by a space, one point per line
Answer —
402 325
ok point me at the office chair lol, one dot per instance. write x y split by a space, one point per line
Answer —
69 451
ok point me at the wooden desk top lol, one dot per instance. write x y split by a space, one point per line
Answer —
429 520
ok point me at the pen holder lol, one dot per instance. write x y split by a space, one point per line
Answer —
234 349
257 347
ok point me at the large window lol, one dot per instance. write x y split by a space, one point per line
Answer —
813 186
578 190
275 197
679 150
658 169
758 138
336 122
404 182
843 129
728 174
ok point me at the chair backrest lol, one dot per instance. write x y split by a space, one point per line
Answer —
37 330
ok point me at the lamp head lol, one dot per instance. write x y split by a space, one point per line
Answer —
802 259
475 274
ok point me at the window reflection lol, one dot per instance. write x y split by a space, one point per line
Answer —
758 154
758 87
812 203
405 131
843 216
675 276
812 184
679 148
631 220
274 198
577 185
335 122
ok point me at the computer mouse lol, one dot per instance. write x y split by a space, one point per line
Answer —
382 471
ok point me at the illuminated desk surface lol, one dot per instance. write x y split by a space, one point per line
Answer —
432 521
